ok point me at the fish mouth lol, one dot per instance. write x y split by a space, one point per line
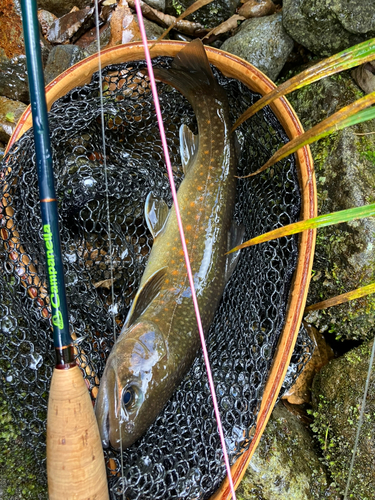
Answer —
102 413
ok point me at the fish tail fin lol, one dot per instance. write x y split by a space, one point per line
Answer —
190 72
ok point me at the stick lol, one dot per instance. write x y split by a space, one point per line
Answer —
75 461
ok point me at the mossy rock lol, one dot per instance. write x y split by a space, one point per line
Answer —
20 474
337 399
285 465
345 172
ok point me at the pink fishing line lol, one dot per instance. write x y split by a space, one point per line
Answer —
181 229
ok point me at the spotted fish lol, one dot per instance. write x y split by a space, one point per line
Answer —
160 337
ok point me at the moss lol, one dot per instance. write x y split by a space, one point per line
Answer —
20 477
337 398
344 167
285 464
177 7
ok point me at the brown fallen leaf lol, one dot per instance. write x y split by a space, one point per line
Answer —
71 26
124 28
184 26
229 24
257 8
46 19
364 76
103 283
300 392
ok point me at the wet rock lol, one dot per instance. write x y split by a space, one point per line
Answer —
262 42
329 27
345 172
337 400
13 72
61 58
255 8
13 80
92 47
209 15
10 113
60 8
285 465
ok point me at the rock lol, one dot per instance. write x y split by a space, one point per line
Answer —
153 30
13 79
256 8
10 113
157 4
345 173
209 15
262 42
337 400
329 27
92 47
60 8
364 76
285 465
13 72
61 58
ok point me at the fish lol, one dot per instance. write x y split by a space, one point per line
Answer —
160 338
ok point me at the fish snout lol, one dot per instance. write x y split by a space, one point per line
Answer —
102 408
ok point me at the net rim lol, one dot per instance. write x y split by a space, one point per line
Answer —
233 67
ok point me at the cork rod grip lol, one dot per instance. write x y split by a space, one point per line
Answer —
75 460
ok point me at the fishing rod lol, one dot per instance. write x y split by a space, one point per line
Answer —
75 460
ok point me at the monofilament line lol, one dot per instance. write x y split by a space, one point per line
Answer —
360 421
184 247
113 305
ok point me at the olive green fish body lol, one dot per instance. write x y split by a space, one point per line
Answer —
160 336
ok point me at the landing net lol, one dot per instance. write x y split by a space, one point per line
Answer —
180 455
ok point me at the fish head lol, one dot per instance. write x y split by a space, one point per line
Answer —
130 392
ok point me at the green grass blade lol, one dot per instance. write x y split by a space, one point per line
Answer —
345 297
354 56
345 117
314 223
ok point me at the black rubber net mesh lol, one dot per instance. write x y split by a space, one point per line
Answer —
180 455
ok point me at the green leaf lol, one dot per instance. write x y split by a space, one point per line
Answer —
316 222
354 56
10 117
345 117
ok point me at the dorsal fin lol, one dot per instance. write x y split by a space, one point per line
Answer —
145 296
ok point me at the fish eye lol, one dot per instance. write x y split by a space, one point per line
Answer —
128 397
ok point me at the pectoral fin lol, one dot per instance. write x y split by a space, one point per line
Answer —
188 147
156 214
235 237
145 296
